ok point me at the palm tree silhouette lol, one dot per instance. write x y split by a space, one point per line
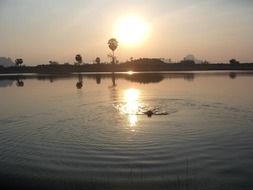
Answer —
79 59
113 44
19 62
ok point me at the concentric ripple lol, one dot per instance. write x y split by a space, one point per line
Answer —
112 140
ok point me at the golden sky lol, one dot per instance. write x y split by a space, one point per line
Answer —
43 30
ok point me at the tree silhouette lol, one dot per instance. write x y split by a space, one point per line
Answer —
187 62
234 62
53 63
19 62
113 44
97 60
79 59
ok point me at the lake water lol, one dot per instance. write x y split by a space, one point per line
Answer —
54 135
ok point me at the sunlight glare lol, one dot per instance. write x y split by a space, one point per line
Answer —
132 120
130 72
131 97
131 30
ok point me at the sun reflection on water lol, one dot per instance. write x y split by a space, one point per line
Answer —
130 72
131 106
132 119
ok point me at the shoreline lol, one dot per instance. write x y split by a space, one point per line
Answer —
68 69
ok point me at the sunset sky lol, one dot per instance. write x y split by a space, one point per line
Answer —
43 30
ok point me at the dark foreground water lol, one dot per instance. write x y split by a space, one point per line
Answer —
56 136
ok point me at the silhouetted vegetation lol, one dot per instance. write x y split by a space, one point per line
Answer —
97 60
79 59
113 44
143 64
234 62
53 63
19 62
205 62
187 62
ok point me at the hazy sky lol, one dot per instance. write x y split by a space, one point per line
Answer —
43 30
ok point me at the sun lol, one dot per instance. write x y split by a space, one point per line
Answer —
131 30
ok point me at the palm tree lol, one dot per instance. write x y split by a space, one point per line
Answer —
113 44
97 60
79 59
19 62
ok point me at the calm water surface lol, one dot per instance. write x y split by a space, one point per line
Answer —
53 135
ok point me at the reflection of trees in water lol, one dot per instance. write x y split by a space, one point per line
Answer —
98 79
185 76
113 79
11 78
5 83
145 78
79 83
141 78
189 77
232 75
114 95
51 79
113 89
19 83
